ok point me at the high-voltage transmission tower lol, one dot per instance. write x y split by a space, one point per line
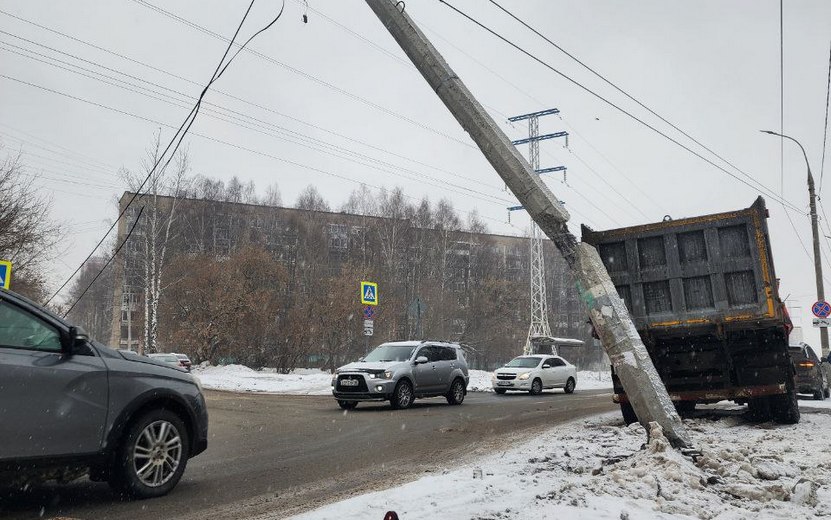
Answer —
539 333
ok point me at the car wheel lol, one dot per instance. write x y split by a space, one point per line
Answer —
827 393
402 397
347 405
818 395
457 392
500 391
536 387
570 384
152 456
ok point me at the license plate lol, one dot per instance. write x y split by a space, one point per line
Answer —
504 383
349 382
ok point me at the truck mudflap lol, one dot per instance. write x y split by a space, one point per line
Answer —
723 394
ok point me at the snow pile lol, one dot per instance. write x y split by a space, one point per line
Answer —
308 381
239 378
601 469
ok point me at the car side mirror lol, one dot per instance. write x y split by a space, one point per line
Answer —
546 366
360 359
76 336
421 360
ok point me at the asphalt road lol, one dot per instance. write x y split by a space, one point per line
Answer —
281 455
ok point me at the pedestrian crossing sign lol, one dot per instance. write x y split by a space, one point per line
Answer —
369 293
5 274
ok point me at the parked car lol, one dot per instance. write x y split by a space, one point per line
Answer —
401 372
184 361
535 373
810 376
72 406
170 359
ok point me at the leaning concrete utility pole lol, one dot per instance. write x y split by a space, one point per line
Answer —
607 311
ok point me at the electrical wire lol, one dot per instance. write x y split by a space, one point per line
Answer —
825 128
760 186
180 133
106 264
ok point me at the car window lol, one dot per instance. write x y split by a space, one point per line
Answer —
21 329
431 353
523 362
447 353
557 362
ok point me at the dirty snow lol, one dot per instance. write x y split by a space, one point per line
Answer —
238 378
601 469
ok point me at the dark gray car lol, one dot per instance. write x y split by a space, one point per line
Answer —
71 406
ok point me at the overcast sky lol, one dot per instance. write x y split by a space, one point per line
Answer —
338 104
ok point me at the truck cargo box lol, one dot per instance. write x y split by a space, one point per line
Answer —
712 270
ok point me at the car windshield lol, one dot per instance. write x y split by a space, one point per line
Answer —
523 362
390 353
167 358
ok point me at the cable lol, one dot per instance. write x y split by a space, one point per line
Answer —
781 99
179 134
825 128
106 264
97 76
307 76
760 186
228 95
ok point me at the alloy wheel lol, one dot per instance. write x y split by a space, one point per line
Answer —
157 453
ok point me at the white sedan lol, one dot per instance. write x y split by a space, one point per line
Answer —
535 373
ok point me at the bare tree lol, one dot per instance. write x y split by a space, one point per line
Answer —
28 235
160 200
272 196
312 200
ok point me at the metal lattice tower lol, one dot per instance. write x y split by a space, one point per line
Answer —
539 302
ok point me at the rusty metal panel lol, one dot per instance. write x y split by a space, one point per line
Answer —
708 270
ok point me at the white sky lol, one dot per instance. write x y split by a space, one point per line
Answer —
711 67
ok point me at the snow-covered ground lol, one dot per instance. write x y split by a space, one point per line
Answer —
598 469
239 378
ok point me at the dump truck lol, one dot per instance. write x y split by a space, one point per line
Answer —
703 295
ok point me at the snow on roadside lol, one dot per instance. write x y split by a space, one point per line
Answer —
598 469
238 378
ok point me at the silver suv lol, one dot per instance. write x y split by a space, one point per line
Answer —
402 371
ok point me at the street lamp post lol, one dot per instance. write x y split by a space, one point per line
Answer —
823 332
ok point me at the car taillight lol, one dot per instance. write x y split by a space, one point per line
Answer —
807 364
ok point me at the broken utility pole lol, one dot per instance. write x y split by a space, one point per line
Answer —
607 311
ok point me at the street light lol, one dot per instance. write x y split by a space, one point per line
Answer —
823 331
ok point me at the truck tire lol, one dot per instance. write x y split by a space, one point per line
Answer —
684 408
152 455
759 409
785 408
628 413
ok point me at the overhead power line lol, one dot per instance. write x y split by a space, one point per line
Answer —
825 128
757 187
180 133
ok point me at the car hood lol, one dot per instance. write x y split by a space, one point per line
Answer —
132 356
513 370
370 366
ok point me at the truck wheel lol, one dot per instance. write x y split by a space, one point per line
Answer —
759 409
347 405
684 408
570 384
402 397
628 413
457 392
152 456
536 387
785 408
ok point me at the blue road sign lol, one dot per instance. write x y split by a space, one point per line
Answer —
821 309
369 293
5 274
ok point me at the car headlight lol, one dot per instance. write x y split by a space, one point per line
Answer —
524 376
381 375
